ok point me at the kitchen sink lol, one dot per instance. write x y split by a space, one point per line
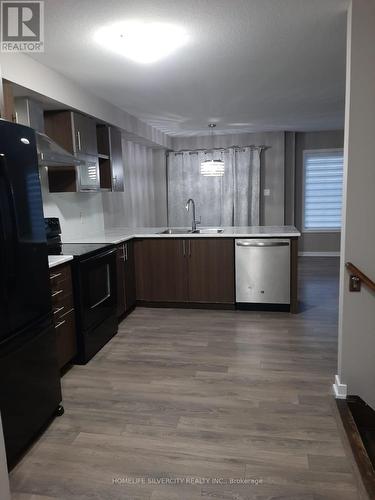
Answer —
175 231
208 230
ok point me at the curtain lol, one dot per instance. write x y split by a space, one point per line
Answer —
230 200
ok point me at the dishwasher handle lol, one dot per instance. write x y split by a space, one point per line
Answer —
262 244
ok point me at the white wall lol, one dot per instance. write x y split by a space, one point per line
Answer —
79 213
144 201
357 310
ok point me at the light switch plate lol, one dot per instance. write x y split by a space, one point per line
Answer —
266 192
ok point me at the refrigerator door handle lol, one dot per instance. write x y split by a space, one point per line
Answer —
9 257
9 191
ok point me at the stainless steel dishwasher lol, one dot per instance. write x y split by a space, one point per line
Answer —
263 271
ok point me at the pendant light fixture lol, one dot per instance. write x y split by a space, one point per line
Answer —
212 168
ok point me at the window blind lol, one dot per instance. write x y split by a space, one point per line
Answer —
323 179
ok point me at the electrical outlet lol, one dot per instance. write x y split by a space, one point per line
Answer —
266 192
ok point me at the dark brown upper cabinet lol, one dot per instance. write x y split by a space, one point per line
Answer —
110 153
194 270
73 131
77 134
8 111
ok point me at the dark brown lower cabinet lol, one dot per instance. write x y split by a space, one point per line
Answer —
211 270
125 278
120 262
160 270
194 270
63 313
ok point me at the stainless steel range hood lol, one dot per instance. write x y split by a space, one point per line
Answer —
50 154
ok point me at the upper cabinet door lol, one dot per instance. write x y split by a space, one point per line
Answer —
111 163
117 164
72 131
84 130
211 270
59 127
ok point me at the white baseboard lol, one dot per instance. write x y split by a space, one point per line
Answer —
319 254
340 390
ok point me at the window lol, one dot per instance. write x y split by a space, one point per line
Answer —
323 178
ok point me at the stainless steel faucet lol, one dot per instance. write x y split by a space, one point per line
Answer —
194 221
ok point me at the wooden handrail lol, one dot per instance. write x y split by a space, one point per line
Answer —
358 275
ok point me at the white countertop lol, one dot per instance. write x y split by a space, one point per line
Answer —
56 260
119 235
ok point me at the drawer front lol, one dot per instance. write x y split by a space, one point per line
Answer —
61 304
61 286
66 338
60 275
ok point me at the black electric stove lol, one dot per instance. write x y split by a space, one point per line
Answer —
95 289
78 250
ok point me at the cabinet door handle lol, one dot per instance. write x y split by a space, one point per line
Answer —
79 139
58 309
126 251
123 257
54 276
60 323
189 248
184 248
57 293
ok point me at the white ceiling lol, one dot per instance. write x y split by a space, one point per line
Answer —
250 65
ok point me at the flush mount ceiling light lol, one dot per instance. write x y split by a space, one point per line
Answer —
212 168
142 42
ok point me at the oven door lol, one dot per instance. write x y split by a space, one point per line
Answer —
98 288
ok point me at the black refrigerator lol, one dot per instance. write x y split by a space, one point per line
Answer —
30 391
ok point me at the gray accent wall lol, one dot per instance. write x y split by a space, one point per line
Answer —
144 200
272 166
313 242
290 177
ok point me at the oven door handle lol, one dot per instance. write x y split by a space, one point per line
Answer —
99 256
100 301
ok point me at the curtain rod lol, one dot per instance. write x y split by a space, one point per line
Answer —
210 150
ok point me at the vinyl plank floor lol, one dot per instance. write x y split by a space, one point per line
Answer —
188 404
